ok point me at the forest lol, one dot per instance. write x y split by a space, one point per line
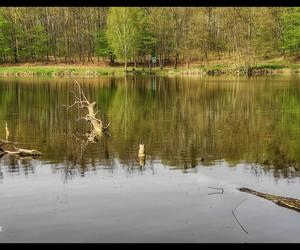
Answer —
241 36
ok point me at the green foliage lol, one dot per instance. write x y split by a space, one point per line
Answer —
102 48
4 41
125 30
147 41
33 44
240 35
269 66
291 36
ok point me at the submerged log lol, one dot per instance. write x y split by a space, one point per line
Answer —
17 151
290 203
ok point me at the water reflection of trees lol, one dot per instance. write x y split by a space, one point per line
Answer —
17 164
181 121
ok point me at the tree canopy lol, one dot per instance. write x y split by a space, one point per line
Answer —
242 35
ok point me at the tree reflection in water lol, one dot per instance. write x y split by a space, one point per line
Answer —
181 120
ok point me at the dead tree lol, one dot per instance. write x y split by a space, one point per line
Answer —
16 151
97 127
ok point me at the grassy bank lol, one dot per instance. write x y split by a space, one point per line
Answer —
90 71
69 71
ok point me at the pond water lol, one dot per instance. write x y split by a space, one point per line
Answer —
199 134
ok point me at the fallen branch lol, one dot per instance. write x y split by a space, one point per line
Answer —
17 151
236 217
286 202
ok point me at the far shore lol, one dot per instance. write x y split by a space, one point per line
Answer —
65 70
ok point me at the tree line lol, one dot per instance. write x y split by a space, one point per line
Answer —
174 35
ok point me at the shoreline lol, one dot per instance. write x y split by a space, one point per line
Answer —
98 71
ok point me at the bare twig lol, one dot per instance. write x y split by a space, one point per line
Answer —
236 217
70 106
83 103
106 131
107 126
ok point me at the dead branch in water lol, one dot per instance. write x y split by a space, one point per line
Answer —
6 131
16 151
236 217
97 127
290 203
96 131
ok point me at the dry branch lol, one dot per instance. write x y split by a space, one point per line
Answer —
17 151
97 127
287 202
236 217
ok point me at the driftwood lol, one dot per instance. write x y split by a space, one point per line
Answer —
97 127
96 131
142 155
290 203
16 151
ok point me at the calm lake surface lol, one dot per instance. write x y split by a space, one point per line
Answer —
221 132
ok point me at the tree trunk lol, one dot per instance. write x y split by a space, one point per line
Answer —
15 48
188 62
176 61
125 65
112 60
161 61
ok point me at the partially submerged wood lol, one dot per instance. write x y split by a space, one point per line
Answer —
97 128
286 202
82 102
142 155
16 151
6 131
142 150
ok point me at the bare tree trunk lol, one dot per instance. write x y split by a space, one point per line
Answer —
161 61
176 60
125 65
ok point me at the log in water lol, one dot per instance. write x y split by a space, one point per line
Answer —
286 202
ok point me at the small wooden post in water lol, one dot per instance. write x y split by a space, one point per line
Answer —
142 155
6 131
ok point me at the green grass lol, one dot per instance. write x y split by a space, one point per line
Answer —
271 66
69 71
218 67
